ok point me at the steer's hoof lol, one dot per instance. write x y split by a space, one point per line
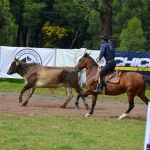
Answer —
25 103
88 115
62 106
20 100
87 107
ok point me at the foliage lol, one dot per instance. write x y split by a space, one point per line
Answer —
93 29
74 14
8 27
125 10
53 34
132 38
31 14
22 21
31 18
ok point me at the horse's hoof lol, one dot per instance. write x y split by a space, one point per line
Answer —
122 116
87 115
76 107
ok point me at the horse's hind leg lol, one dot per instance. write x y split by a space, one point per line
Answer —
69 96
131 106
143 97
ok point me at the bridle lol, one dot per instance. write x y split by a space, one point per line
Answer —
81 63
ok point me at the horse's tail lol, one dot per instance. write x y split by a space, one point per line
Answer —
147 79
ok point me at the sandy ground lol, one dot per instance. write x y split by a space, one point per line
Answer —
41 104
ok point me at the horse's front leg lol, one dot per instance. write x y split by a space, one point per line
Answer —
94 98
77 101
85 93
79 90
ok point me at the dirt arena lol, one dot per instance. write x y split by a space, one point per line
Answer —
40 104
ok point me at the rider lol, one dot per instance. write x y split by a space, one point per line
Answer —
107 50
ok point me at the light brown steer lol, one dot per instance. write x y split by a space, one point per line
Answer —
38 76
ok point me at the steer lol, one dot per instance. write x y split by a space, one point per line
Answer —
38 76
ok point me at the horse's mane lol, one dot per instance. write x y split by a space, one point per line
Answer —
88 56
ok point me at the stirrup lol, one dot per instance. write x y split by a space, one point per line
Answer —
98 91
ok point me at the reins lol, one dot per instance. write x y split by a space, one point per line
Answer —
90 66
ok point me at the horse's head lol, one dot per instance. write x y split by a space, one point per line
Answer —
83 62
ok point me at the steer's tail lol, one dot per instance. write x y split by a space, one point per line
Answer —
147 79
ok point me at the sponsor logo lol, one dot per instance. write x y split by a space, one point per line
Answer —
29 56
134 62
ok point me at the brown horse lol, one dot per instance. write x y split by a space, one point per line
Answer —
131 83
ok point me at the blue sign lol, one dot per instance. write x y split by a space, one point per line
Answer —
133 61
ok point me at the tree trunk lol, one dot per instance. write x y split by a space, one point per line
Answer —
106 18
24 35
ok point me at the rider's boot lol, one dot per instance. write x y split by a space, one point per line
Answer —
99 89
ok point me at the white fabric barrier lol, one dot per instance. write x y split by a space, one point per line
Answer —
44 56
147 131
68 57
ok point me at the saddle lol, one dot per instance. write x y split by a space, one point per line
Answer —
112 77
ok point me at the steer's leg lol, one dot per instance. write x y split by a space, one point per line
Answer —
26 87
69 96
31 91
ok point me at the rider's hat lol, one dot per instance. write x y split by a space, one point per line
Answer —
105 37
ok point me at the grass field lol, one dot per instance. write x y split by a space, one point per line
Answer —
51 132
67 132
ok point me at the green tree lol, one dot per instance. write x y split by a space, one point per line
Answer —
93 31
7 26
132 38
74 14
124 10
31 19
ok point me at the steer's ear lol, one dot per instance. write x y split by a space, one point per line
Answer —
17 63
15 59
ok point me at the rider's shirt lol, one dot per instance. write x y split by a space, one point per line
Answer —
107 51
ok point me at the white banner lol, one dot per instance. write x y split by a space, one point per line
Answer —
43 56
147 131
68 57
